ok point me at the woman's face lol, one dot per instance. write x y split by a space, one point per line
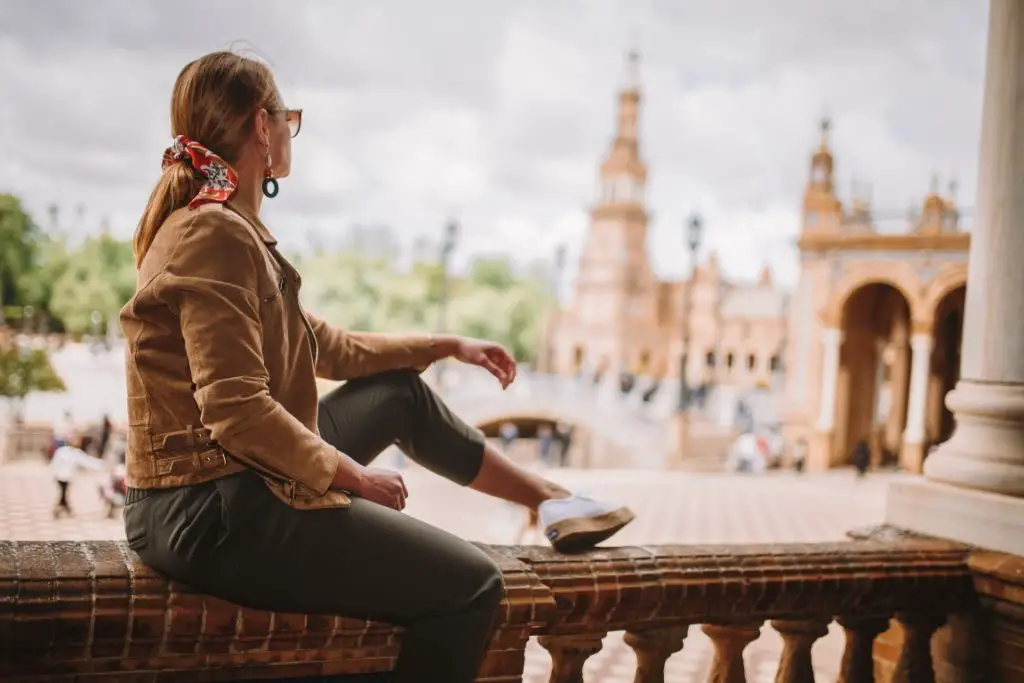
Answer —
275 127
281 122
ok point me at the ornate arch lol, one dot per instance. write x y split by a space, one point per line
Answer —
897 274
490 423
950 277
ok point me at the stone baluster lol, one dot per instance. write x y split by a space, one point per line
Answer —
730 640
914 664
653 648
797 639
858 665
569 654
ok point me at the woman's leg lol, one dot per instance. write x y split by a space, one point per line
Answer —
234 539
364 416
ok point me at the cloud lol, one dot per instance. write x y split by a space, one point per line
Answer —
499 113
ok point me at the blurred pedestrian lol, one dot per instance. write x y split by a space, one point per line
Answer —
67 461
861 458
545 443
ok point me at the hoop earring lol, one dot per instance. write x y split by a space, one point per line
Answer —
270 187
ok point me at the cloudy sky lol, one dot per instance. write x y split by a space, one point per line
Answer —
499 112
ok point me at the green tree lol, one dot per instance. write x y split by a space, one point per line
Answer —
491 302
24 371
98 276
493 272
51 262
19 237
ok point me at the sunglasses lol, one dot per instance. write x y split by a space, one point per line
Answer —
292 116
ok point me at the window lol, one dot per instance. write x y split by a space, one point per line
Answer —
730 360
776 363
811 220
709 359
751 362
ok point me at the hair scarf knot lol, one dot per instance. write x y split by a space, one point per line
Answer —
221 179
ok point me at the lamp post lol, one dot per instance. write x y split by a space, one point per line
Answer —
692 235
779 371
556 317
448 242
694 229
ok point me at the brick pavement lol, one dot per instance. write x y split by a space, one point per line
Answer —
671 508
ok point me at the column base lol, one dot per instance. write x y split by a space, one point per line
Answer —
978 518
912 457
986 450
819 451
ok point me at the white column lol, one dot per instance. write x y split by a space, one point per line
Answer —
831 340
917 402
987 449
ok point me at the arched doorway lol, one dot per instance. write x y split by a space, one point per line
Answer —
945 364
874 373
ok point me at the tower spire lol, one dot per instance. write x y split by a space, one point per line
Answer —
623 173
631 82
629 100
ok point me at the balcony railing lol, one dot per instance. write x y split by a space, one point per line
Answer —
88 611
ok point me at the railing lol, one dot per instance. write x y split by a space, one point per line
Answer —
90 612
24 440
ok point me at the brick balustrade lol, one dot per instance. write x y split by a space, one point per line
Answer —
88 611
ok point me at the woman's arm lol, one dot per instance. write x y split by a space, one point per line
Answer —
347 355
211 281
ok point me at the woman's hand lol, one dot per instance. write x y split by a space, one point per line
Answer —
487 355
382 486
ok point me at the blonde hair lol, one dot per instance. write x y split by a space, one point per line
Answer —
214 100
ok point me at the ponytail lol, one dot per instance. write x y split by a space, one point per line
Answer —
178 184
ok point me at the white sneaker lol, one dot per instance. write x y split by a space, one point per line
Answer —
578 523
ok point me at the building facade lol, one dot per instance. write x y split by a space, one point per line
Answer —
874 325
622 317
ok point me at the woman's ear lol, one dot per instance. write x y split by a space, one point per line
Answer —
262 128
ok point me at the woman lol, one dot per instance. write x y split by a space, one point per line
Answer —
242 483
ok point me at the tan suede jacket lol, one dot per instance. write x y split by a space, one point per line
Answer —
222 361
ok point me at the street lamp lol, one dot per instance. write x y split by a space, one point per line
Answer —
693 235
555 320
451 235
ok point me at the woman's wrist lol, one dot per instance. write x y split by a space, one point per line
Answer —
445 345
349 476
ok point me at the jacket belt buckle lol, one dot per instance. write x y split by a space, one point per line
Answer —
210 459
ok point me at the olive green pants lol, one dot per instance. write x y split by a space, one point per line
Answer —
234 539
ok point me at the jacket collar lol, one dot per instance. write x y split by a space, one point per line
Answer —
255 222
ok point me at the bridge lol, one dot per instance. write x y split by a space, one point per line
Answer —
619 430
622 430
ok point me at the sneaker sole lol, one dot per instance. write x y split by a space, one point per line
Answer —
578 534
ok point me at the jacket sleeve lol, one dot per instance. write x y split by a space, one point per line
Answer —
348 355
211 281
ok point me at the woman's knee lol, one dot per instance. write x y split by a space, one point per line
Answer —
480 584
487 582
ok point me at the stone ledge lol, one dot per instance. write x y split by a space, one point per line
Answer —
977 518
91 612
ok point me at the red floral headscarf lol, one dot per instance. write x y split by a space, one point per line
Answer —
221 179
